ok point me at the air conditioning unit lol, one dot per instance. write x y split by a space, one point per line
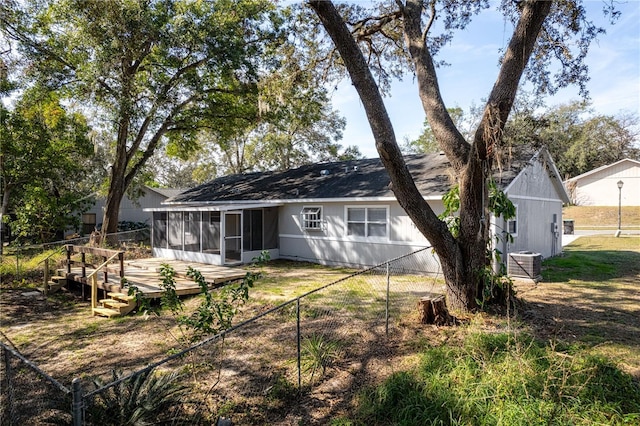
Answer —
524 264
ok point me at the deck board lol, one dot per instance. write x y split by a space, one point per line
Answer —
145 275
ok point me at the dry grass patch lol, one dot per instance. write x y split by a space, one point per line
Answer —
596 217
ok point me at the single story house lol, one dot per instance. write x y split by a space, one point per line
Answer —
600 187
130 210
343 213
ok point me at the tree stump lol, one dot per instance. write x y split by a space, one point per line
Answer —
95 239
433 310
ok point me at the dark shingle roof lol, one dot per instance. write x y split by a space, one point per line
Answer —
343 179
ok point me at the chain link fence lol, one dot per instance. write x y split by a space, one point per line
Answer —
30 396
18 261
256 371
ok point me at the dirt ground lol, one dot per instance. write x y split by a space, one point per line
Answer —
59 335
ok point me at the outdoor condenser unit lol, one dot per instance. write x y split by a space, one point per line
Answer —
524 264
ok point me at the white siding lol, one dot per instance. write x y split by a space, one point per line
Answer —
601 188
539 227
332 246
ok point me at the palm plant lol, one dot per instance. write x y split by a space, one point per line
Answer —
147 398
318 353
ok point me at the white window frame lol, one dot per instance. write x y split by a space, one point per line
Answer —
311 218
515 223
366 222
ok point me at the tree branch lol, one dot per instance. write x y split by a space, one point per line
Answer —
17 35
402 182
448 136
505 88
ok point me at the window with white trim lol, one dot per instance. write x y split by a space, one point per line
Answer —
367 222
512 224
311 218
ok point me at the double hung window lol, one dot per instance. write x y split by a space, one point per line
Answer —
367 221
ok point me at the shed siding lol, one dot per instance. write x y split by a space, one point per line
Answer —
534 181
537 232
539 213
601 188
130 211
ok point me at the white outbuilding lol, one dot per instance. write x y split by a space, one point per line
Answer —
609 185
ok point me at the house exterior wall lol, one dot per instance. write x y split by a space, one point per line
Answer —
130 211
601 189
538 213
332 246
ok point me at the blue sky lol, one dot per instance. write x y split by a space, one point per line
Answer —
614 65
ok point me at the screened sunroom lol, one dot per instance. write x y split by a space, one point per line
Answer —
218 235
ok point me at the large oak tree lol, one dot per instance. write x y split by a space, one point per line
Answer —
543 30
150 72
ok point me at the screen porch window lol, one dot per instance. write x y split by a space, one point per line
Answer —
311 218
367 221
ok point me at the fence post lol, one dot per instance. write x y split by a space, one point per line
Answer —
18 263
386 313
77 407
298 343
45 289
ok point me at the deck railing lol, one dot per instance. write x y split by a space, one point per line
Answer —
47 270
96 251
107 257
94 278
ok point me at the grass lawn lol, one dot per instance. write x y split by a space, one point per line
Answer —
570 354
591 296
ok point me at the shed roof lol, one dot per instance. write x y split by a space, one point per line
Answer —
601 168
352 179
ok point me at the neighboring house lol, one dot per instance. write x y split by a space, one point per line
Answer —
343 213
599 187
130 210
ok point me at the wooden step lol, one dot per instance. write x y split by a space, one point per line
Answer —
120 296
106 312
114 304
55 285
120 301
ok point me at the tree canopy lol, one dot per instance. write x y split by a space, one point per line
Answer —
151 72
409 34
42 146
578 139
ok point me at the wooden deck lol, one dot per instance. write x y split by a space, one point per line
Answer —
145 274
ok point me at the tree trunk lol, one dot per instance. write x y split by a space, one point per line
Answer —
463 258
4 210
112 207
403 186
